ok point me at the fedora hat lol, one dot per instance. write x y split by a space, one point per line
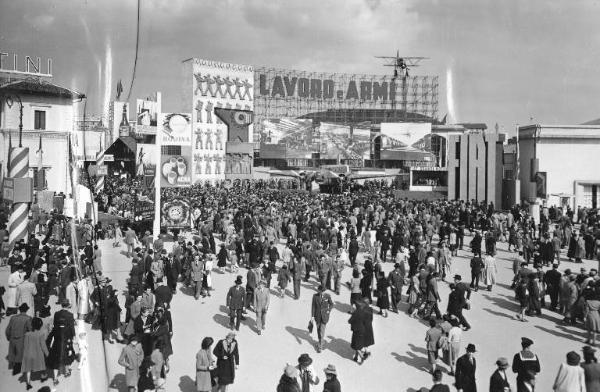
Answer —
471 348
305 360
330 369
502 362
238 280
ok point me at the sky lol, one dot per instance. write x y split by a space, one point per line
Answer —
499 62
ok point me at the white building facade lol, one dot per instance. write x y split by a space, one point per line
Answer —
48 111
559 164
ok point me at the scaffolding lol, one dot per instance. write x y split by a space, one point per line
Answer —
340 98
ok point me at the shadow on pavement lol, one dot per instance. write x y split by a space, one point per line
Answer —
503 303
500 314
342 307
554 332
300 335
221 320
417 349
422 389
186 384
413 360
119 383
339 346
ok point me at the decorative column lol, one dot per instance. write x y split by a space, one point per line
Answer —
17 222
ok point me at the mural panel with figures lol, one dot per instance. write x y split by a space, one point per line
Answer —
218 85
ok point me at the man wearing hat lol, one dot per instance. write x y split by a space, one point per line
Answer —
306 373
525 361
320 310
18 325
396 281
552 280
499 380
332 383
465 371
463 294
235 302
262 297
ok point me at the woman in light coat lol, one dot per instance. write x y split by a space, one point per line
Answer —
571 376
490 269
204 364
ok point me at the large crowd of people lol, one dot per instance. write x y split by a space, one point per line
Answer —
282 237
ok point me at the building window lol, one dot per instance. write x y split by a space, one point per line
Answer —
39 121
40 178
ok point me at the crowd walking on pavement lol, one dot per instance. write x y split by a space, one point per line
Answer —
285 238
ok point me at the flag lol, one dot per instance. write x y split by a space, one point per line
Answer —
9 153
40 170
119 89
444 119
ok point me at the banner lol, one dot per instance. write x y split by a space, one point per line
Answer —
175 213
175 129
45 200
176 169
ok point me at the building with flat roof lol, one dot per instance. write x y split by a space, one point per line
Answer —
558 164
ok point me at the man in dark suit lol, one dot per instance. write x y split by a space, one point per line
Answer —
499 380
298 267
463 294
320 310
465 371
552 280
353 250
235 302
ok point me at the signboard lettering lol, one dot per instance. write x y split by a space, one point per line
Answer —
315 88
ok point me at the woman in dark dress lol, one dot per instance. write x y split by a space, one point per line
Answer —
228 360
112 317
365 285
361 324
60 342
383 298
161 333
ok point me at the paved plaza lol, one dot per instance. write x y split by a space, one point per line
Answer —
399 360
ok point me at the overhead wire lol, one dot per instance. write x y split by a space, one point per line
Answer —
137 45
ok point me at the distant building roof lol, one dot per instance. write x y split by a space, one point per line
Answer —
473 125
35 86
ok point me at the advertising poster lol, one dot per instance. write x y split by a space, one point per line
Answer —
408 136
176 169
145 158
115 117
147 117
218 85
340 141
175 129
292 132
175 213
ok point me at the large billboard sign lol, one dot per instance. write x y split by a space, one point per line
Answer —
294 84
176 169
147 117
175 129
228 89
405 135
344 142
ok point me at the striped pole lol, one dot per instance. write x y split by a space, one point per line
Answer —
99 179
17 222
